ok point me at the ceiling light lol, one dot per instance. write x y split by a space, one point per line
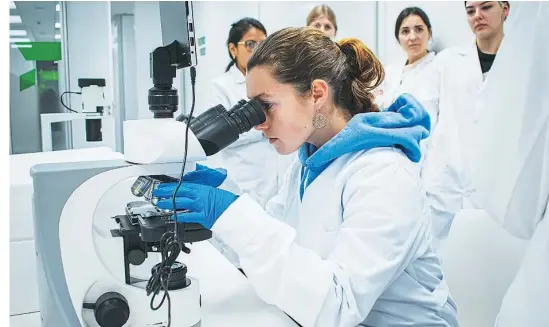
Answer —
19 39
12 5
15 19
18 33
21 45
57 25
57 7
58 36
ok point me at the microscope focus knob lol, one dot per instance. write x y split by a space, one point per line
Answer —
111 310
136 256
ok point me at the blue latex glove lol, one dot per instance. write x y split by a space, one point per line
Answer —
206 176
202 175
205 203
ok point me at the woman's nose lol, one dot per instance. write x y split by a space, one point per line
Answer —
263 126
477 14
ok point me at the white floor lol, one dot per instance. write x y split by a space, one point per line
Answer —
25 320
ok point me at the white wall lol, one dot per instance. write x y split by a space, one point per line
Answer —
89 42
125 90
148 36
448 20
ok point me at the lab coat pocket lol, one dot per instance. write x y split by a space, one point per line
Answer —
435 289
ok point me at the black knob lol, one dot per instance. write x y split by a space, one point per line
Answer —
136 256
112 310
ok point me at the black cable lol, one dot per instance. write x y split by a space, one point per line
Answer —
170 245
61 97
193 81
169 250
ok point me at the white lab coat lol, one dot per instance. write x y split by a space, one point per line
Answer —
509 162
354 251
449 85
399 80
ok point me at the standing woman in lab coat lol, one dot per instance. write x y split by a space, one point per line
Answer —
346 240
413 31
251 161
323 18
449 88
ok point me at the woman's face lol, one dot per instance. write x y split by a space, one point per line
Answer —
486 18
413 36
244 48
323 24
289 116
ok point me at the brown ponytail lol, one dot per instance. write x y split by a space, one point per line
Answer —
365 74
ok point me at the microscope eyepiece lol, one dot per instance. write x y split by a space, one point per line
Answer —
246 114
217 128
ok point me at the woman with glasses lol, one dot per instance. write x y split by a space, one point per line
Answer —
244 36
254 165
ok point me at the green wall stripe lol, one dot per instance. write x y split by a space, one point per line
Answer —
27 80
41 51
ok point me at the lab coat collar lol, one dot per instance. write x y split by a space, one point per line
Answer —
430 56
470 49
236 75
473 63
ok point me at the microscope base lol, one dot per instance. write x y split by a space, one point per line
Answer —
110 298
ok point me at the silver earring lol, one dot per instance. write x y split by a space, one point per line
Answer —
319 121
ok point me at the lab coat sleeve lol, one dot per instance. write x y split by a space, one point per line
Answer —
427 90
445 180
382 218
275 206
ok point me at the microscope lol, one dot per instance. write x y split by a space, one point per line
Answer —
104 250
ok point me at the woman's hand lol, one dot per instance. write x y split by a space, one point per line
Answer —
205 203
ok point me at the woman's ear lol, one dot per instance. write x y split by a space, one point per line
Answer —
319 92
232 50
505 11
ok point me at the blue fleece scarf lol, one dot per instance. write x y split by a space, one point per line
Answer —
403 125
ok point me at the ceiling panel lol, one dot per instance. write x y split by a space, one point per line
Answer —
38 19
